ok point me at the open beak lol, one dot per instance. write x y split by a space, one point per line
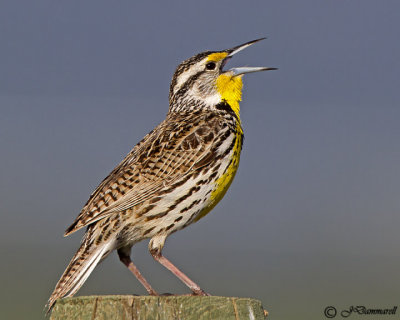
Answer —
243 70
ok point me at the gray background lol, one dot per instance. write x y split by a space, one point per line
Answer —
312 218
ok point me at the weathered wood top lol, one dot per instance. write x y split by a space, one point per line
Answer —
160 308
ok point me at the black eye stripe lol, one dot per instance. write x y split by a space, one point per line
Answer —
211 65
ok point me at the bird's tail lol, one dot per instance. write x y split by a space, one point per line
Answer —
80 267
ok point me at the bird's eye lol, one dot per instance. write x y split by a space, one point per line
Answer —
210 66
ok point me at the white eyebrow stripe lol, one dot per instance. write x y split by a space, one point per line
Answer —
182 78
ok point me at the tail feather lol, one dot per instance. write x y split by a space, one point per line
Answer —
78 270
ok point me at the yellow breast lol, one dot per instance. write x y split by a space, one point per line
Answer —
230 89
224 181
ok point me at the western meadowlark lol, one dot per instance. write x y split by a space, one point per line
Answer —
170 179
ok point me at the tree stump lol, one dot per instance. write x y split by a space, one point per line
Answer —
160 308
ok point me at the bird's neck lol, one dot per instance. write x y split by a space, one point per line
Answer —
230 89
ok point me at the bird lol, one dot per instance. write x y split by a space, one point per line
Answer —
172 178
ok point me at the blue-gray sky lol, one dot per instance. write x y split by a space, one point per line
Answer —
312 217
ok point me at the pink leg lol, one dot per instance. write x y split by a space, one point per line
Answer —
126 260
184 278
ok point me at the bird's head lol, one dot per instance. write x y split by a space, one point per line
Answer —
202 82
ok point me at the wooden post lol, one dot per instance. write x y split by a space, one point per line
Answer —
160 308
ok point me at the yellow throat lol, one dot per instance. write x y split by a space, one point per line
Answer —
230 89
228 86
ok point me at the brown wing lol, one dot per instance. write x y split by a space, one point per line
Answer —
169 152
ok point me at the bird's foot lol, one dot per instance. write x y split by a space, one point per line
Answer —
200 292
197 293
154 293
